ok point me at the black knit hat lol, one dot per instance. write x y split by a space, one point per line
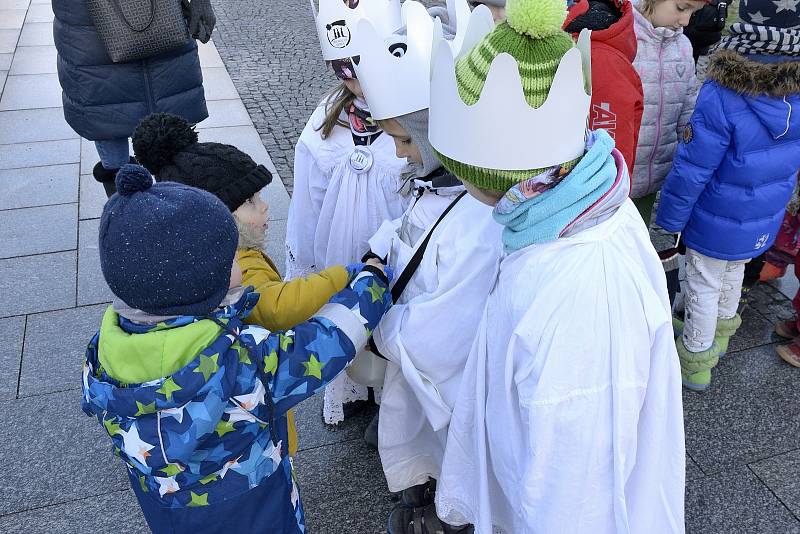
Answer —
167 146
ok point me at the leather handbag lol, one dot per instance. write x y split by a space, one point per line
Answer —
138 29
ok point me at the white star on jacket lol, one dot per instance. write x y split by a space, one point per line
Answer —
134 447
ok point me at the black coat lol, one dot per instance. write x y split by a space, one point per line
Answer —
104 100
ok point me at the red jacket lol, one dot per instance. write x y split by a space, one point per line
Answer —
617 99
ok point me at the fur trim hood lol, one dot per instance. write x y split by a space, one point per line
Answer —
753 78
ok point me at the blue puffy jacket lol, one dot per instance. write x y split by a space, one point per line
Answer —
104 100
736 167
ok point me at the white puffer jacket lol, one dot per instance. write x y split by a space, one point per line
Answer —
665 64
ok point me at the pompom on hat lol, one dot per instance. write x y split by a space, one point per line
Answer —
168 147
166 248
533 36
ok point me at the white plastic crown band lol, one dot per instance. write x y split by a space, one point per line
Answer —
336 24
501 130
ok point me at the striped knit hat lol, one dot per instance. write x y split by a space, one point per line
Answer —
532 34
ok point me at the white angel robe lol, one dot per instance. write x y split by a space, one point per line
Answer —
569 417
334 211
428 333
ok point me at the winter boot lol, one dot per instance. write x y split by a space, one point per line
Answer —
107 177
790 353
677 327
371 433
412 502
696 366
726 328
422 520
787 329
770 271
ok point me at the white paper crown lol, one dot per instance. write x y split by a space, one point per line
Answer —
336 24
394 69
501 130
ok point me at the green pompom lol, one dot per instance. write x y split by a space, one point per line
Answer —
536 18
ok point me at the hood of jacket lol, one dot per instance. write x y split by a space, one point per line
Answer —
771 90
619 35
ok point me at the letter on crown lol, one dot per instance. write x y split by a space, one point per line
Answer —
394 69
336 23
507 133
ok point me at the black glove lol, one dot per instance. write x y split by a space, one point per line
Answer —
372 256
201 20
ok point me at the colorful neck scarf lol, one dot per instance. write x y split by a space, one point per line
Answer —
762 40
361 122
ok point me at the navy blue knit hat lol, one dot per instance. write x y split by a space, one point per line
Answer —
166 248
776 13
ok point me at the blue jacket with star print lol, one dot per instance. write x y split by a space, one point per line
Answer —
205 439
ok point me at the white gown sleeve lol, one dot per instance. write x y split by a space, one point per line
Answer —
310 184
430 336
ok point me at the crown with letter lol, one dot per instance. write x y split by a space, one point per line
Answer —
336 23
512 134
394 68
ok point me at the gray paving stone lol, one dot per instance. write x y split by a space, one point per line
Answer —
278 200
276 243
750 412
226 113
787 284
5 61
735 502
8 41
38 186
11 19
31 91
40 13
90 514
3 77
14 4
53 452
24 155
770 303
38 230
218 85
312 432
92 288
33 284
32 125
781 474
12 330
693 470
55 343
209 56
34 60
89 156
92 198
37 34
343 489
754 332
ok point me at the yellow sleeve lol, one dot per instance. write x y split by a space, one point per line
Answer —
282 305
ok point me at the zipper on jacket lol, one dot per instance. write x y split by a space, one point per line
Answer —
660 113
148 97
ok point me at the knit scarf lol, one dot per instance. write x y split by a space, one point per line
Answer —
751 39
539 209
362 124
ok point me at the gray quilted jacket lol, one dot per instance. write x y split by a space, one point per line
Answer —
665 64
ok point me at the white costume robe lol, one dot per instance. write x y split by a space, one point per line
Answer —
334 211
569 417
428 333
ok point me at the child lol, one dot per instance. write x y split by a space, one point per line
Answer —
193 399
786 247
569 414
347 181
497 7
733 175
617 98
666 67
427 340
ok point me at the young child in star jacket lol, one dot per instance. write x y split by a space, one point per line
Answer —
733 174
194 400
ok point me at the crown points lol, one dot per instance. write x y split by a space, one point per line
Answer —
536 18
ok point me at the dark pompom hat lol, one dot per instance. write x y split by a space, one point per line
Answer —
167 145
166 248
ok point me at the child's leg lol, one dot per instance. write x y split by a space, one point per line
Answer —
729 321
696 347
